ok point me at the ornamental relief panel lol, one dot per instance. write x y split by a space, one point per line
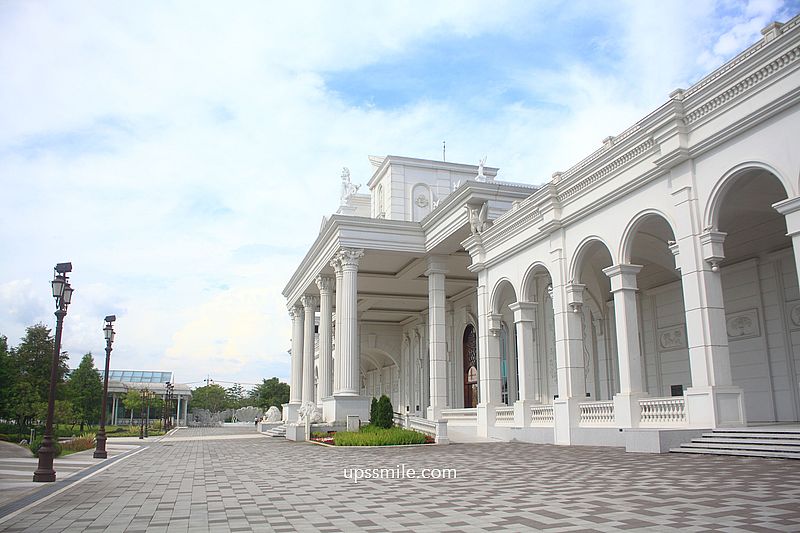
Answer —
743 325
671 338
793 314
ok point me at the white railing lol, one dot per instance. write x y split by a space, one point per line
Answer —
663 411
542 415
504 416
597 413
461 417
434 428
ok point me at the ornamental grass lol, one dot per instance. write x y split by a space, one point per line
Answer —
374 436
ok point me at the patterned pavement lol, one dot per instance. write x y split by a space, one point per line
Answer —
210 480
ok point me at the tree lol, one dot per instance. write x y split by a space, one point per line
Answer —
85 391
270 392
132 401
6 378
384 415
34 357
235 396
212 397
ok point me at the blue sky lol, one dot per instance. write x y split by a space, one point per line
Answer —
182 154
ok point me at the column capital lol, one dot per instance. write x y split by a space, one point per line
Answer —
309 301
349 257
524 311
325 284
296 311
712 242
623 276
437 264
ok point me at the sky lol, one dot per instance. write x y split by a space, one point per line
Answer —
182 154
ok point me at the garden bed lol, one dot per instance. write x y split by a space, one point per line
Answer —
373 436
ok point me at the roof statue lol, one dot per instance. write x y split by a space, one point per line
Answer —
348 189
481 176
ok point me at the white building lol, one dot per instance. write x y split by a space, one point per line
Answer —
650 288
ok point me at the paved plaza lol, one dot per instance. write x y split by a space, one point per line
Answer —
231 479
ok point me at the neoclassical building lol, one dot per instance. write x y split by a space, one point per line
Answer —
646 293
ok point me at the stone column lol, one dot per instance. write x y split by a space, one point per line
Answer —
712 400
178 411
437 341
309 308
337 348
627 412
790 209
527 359
325 285
296 377
568 310
347 323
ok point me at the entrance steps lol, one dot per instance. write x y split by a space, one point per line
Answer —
277 431
777 442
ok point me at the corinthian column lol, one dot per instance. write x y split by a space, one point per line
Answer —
337 347
347 323
310 306
296 385
325 285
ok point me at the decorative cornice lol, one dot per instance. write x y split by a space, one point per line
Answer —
636 152
744 85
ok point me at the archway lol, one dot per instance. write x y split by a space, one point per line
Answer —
503 325
469 349
597 329
761 296
537 287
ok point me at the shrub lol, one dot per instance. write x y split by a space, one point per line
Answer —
374 436
373 410
78 444
37 443
384 414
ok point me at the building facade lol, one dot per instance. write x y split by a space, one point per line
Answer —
122 381
646 293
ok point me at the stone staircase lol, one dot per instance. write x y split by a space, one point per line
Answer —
777 442
277 431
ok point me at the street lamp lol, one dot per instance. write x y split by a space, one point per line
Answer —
142 393
62 292
147 396
169 387
108 331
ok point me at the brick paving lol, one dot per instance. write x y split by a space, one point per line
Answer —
213 480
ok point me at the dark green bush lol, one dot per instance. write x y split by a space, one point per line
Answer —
384 415
373 410
37 443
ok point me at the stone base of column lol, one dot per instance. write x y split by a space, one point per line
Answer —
522 413
567 417
291 412
486 418
627 412
337 408
713 407
433 413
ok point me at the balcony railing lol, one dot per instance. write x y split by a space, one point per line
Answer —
597 413
663 411
504 416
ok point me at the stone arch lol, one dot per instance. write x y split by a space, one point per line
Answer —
626 246
580 252
499 291
527 280
723 185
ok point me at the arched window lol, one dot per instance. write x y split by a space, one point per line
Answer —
470 367
504 364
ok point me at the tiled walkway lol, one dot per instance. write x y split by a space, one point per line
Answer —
208 483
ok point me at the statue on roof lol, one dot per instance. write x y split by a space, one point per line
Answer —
348 188
481 176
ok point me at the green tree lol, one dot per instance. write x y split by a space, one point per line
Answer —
236 396
34 357
384 415
132 401
212 397
85 391
270 392
7 380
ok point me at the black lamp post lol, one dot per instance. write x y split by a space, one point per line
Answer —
141 414
62 292
108 331
147 396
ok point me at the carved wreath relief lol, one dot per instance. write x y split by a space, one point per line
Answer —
743 325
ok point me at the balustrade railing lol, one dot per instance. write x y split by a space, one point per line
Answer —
663 411
542 415
504 416
466 416
597 413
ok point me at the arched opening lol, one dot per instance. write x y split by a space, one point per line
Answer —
470 355
504 296
541 355
600 365
661 309
761 296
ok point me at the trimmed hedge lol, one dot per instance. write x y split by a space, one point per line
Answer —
371 435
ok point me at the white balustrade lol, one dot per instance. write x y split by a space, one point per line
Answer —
461 417
597 413
504 416
542 415
663 411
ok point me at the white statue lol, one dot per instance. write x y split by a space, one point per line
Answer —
348 189
309 411
273 415
477 218
481 176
